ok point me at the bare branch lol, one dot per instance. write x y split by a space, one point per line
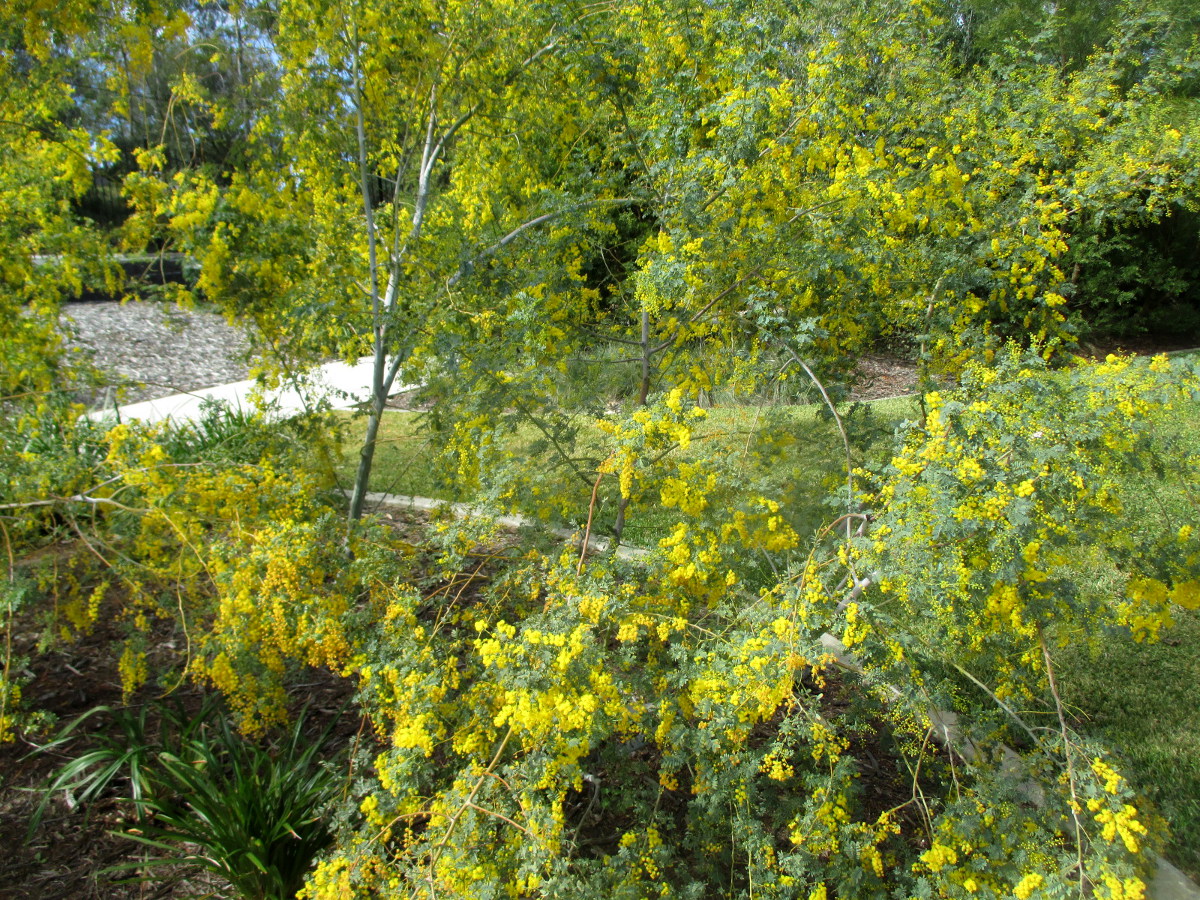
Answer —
1062 722
711 303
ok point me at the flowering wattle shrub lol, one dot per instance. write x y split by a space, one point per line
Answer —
648 729
546 723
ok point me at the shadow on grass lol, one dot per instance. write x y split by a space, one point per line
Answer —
1143 700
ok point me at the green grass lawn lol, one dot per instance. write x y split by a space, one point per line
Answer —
406 456
1143 700
408 459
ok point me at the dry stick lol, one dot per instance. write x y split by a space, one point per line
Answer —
87 542
178 594
455 582
954 776
548 435
187 652
465 584
8 625
85 496
587 532
501 817
1062 722
918 795
753 273
499 779
469 265
399 817
96 553
845 440
362 723
995 699
470 578
595 783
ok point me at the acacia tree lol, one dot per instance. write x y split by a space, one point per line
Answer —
806 184
683 697
47 253
392 147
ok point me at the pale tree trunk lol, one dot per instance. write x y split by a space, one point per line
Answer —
384 308
366 458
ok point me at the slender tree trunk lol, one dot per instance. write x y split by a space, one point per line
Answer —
644 389
384 303
366 458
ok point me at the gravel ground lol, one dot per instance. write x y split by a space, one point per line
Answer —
155 349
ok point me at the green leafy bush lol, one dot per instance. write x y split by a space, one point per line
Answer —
253 813
124 752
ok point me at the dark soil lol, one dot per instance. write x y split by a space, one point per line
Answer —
879 376
68 855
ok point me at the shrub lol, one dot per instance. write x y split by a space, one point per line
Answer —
252 814
203 795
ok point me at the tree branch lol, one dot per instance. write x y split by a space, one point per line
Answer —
467 267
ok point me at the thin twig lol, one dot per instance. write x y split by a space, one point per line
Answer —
1004 706
501 817
8 627
1062 722
587 532
470 801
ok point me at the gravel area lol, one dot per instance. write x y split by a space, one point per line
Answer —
155 349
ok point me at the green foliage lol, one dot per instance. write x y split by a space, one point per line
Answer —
613 727
14 594
1117 691
45 251
124 755
1140 280
148 518
981 523
252 814
972 517
1065 35
738 196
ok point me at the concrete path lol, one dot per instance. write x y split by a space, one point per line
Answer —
344 385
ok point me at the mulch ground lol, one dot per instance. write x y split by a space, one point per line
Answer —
67 855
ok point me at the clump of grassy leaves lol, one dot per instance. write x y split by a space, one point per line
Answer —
206 797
